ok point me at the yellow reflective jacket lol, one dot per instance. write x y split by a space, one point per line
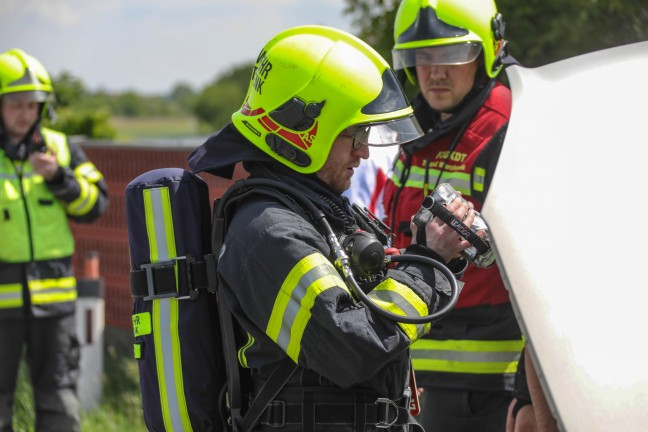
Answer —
36 257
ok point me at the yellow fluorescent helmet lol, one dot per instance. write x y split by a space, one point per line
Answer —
311 83
20 72
448 32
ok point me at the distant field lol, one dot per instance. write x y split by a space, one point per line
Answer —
154 127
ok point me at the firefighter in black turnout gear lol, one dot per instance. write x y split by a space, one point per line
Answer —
318 98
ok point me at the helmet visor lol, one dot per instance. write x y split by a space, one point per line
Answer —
456 54
26 96
393 132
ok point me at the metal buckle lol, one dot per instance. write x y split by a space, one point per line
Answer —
150 281
193 292
383 421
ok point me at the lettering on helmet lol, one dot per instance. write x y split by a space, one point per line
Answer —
262 68
252 128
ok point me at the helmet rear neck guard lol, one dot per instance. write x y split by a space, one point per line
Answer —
308 85
430 23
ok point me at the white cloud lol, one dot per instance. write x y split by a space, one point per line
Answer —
149 45
60 13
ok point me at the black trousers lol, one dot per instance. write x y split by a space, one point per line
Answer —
447 410
52 355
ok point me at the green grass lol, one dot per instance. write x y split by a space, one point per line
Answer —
129 129
121 407
24 403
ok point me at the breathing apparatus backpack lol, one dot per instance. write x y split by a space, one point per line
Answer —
175 320
188 365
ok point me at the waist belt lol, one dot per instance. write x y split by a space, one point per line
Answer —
310 406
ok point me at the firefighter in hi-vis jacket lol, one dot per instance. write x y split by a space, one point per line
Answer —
44 182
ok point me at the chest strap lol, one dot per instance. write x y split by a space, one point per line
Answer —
158 280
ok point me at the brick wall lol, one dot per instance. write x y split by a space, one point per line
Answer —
108 236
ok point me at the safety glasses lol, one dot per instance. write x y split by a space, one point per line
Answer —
393 132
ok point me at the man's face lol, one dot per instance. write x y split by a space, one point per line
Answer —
341 162
19 113
444 86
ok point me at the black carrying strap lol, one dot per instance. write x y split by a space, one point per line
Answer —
274 384
223 210
270 389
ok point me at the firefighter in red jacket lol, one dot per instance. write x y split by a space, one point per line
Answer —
453 50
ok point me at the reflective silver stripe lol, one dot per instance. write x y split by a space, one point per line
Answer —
164 325
11 296
9 176
464 356
395 297
467 356
291 312
479 178
391 296
158 224
164 306
25 175
86 199
459 180
294 306
89 171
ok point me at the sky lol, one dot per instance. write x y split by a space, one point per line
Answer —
149 46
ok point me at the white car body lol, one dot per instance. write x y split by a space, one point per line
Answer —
567 213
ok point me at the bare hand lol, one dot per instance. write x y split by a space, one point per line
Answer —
441 238
44 164
524 421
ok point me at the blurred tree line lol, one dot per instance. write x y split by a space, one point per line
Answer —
83 112
538 31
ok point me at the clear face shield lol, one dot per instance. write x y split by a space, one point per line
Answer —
393 132
26 96
450 55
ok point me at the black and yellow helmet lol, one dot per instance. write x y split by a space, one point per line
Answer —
448 32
